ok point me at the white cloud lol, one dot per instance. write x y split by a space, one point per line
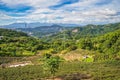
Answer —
34 3
4 16
85 11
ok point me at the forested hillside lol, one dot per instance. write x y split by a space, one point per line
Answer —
108 45
95 30
80 53
13 43
11 33
87 31
100 39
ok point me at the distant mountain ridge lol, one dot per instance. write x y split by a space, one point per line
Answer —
87 31
33 25
76 32
43 30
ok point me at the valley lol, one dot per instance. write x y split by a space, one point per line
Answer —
91 52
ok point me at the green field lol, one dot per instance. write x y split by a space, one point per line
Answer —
97 71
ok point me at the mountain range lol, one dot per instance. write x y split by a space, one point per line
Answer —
33 25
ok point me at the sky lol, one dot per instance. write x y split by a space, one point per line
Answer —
80 12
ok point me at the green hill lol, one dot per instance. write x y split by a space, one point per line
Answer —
87 31
109 42
13 43
108 45
96 30
11 33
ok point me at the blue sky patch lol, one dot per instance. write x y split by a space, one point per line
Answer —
14 10
59 17
47 12
64 2
103 2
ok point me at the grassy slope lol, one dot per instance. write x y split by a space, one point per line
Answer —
76 54
99 71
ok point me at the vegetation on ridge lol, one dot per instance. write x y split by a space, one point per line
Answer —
97 49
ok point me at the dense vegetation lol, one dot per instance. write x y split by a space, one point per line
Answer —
14 43
87 31
96 30
25 45
11 33
108 45
98 46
